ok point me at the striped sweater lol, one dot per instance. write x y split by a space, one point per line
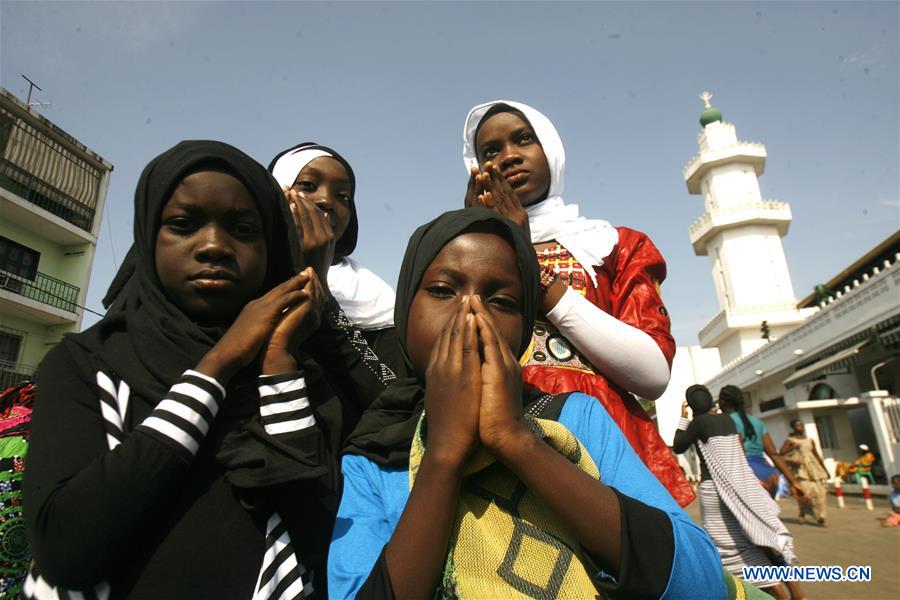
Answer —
127 499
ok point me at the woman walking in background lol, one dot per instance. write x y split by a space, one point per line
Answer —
757 442
739 516
809 469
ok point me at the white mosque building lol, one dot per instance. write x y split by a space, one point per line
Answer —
831 359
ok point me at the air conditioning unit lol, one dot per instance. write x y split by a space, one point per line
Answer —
11 284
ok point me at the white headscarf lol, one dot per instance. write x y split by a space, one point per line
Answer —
366 299
589 240
289 165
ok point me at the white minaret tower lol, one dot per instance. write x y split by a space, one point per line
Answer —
741 233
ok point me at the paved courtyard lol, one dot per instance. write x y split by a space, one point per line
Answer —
854 537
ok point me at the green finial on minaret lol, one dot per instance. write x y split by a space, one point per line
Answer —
710 114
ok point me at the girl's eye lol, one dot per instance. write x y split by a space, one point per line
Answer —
489 153
305 186
527 138
345 198
505 303
246 229
440 291
180 225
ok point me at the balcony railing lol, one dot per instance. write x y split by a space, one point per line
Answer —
14 373
42 288
44 169
43 195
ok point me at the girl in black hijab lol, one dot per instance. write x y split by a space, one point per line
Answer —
175 451
450 470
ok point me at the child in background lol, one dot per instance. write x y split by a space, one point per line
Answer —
757 442
177 450
510 492
320 188
602 327
893 520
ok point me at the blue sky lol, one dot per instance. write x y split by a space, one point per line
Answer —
389 84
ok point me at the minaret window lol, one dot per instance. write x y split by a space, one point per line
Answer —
724 282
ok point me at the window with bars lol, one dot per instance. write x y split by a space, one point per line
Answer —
771 404
10 344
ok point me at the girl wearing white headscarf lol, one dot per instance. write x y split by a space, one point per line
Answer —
365 298
603 328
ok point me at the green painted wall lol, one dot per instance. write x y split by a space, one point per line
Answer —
53 262
37 338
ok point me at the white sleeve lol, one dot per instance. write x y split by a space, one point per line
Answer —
624 354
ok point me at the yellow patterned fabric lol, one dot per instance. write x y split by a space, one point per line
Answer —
739 589
505 542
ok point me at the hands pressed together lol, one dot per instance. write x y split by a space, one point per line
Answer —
473 395
270 327
489 188
273 326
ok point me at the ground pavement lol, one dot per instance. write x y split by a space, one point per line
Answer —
854 537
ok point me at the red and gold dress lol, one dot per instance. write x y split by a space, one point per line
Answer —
628 289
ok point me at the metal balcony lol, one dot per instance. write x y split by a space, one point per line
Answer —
42 288
14 373
44 170
41 194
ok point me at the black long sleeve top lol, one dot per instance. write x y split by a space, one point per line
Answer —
145 496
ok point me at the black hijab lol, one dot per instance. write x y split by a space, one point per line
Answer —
347 244
699 399
144 338
385 431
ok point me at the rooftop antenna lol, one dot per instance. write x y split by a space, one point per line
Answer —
31 86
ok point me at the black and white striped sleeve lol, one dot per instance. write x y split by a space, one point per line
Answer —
90 489
284 403
186 412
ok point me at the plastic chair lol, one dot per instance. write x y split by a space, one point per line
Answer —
867 474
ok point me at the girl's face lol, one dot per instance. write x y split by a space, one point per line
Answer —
470 264
509 142
211 254
798 427
324 182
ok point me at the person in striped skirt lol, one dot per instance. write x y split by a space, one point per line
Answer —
183 447
740 517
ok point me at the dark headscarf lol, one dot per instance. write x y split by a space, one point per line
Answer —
385 431
347 243
144 338
699 399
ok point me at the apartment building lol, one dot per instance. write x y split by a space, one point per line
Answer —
52 192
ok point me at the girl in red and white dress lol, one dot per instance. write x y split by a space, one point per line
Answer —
603 328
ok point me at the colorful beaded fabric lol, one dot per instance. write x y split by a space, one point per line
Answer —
15 417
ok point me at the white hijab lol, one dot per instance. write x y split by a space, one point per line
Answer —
366 299
588 240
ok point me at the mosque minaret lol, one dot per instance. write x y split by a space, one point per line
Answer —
741 233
